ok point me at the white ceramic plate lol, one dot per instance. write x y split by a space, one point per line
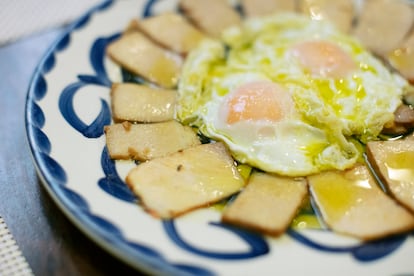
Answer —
67 107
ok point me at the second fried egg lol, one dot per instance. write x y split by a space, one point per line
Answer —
288 95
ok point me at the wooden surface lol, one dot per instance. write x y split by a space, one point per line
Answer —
51 244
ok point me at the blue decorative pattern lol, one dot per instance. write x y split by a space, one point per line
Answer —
363 252
95 129
112 184
55 176
257 245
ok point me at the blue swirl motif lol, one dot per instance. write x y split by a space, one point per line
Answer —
96 128
55 175
113 185
364 252
35 118
258 246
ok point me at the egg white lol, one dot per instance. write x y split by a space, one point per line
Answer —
329 113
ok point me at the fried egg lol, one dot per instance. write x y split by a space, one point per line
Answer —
288 94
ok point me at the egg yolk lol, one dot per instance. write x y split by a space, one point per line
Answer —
261 100
324 59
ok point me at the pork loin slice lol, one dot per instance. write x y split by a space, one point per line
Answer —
140 103
383 24
403 118
147 141
172 31
338 12
254 8
268 204
139 55
393 161
211 16
176 184
352 203
402 58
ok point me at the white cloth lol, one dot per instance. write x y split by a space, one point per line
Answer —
20 18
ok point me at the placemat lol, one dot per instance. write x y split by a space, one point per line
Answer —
20 18
12 262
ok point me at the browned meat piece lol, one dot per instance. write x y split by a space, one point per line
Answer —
338 12
383 24
254 8
140 103
403 121
172 31
267 204
404 115
211 16
147 141
352 203
138 54
394 163
183 181
402 58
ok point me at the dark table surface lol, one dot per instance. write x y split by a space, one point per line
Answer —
51 244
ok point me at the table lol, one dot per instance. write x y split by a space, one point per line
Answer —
51 244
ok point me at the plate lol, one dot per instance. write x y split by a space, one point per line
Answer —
67 107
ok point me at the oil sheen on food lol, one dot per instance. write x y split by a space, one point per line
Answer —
288 94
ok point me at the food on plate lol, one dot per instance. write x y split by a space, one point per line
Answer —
339 12
403 119
383 24
172 31
267 204
265 108
212 16
183 181
352 203
147 141
394 163
327 91
140 103
402 58
253 8
138 54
